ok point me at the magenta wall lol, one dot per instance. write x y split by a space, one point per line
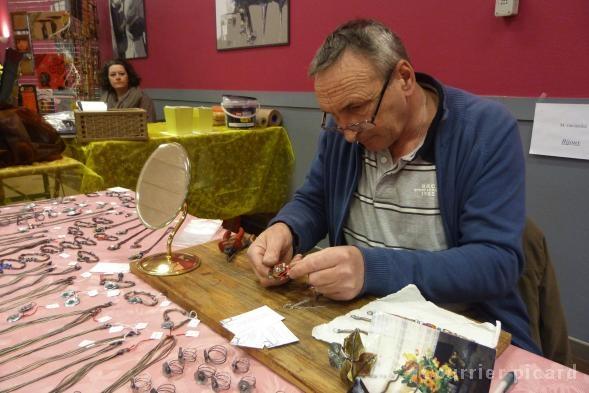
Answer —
545 49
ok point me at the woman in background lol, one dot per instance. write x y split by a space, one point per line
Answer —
120 84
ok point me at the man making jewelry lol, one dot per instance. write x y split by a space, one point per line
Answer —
413 181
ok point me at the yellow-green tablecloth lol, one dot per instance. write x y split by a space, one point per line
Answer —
234 172
65 172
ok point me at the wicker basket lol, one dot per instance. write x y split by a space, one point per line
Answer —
128 124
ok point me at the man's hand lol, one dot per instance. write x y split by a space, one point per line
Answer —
273 246
335 272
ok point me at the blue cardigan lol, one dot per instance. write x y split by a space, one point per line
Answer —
480 175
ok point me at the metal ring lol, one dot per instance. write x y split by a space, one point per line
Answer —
240 365
220 381
204 372
217 354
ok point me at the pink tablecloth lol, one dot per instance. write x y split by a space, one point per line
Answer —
535 374
121 313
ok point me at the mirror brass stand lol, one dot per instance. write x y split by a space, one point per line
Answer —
170 263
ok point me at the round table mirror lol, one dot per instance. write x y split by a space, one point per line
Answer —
160 196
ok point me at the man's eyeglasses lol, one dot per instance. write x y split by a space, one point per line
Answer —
362 125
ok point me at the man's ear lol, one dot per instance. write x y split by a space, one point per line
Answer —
406 76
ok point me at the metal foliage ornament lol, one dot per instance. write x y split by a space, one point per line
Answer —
351 359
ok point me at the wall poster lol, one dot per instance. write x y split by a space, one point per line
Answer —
250 23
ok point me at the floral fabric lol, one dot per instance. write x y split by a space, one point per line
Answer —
234 172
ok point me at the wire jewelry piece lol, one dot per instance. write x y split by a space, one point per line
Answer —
34 257
204 372
104 277
75 231
165 388
141 383
104 236
50 249
172 367
137 297
118 285
169 324
84 240
217 354
87 256
246 384
72 245
279 271
220 381
240 365
187 355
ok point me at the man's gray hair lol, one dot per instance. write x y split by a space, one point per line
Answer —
371 38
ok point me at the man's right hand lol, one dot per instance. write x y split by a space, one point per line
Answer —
273 246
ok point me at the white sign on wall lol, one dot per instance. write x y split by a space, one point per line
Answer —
561 130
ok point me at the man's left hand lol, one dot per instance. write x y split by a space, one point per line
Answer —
335 272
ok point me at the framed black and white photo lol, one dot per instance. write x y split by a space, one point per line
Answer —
251 23
127 20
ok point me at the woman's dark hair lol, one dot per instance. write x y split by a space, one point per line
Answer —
134 79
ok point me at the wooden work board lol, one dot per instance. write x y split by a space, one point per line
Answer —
219 289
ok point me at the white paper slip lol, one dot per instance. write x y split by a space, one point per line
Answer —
104 319
52 305
64 255
110 267
140 325
193 323
245 321
92 106
118 189
86 275
85 343
116 329
561 130
156 335
165 303
113 292
92 293
192 333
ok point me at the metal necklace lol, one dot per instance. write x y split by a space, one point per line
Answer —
140 254
91 311
118 245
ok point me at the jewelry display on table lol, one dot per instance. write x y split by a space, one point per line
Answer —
37 257
85 241
12 264
51 249
240 365
14 249
169 324
142 253
137 243
24 311
65 355
165 388
105 227
187 355
204 372
137 297
126 230
70 244
156 354
58 341
118 245
220 381
92 311
59 285
87 256
172 367
246 384
141 383
216 354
